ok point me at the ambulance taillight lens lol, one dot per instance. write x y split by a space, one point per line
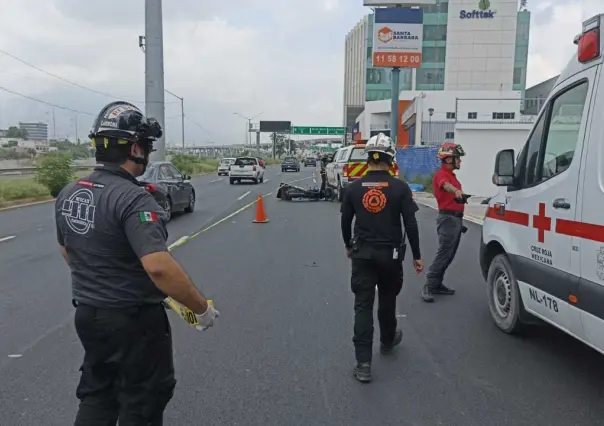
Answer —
589 46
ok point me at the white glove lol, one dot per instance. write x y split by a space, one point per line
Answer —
207 319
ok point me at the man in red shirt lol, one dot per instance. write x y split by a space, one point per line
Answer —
449 222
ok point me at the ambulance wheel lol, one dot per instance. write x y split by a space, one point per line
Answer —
505 302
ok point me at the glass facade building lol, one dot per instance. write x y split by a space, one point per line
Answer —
431 74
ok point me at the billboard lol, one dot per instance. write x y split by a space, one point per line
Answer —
375 3
275 126
397 37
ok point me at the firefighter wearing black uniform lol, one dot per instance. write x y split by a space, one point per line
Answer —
112 235
324 161
378 200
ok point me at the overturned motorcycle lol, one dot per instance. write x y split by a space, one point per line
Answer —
289 192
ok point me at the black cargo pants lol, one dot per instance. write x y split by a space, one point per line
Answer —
449 232
128 370
367 273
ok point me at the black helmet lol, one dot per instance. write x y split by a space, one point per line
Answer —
121 123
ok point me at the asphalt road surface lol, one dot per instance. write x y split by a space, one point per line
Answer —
281 352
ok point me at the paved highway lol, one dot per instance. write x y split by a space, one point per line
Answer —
281 353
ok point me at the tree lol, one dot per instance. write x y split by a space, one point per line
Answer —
15 132
278 140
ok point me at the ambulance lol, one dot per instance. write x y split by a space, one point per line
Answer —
542 248
349 164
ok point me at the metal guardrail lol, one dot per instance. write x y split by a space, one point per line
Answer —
32 170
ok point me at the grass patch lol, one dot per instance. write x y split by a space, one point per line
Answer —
193 165
17 191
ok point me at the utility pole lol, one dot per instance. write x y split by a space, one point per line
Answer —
154 72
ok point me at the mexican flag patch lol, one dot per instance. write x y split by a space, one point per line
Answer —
147 216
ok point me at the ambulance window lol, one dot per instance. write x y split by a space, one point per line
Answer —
563 130
526 171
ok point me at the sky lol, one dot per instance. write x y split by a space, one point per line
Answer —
281 58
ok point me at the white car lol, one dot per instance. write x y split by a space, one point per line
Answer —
542 248
223 167
246 168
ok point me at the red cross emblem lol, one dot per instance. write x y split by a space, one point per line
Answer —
542 223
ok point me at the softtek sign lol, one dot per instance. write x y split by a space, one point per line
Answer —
484 11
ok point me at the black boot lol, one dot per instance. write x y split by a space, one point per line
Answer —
387 348
444 290
362 372
427 294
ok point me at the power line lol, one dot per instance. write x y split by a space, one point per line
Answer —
64 79
46 103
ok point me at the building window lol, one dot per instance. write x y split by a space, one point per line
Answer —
504 115
435 33
433 54
450 116
430 76
440 7
472 115
517 75
449 135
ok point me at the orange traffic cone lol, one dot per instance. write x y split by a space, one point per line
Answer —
260 213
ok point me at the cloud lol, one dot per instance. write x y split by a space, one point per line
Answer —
284 60
553 28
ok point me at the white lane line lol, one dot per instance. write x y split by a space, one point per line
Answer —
15 356
244 195
216 180
7 238
266 180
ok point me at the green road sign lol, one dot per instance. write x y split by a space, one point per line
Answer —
297 130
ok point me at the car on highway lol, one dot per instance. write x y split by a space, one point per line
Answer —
171 189
348 164
290 164
542 247
223 166
310 161
246 168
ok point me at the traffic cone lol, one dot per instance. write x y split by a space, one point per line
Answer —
260 213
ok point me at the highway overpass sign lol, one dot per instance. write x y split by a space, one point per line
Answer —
305 130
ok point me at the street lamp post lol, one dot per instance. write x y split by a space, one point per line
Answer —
249 124
430 113
182 118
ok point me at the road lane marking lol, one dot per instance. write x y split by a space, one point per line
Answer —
235 213
266 180
216 180
7 238
15 356
298 180
244 195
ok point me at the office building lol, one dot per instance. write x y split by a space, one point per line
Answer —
462 50
35 131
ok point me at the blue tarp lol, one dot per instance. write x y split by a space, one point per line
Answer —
417 162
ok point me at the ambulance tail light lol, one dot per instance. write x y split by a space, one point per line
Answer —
396 170
254 168
151 188
588 42
345 170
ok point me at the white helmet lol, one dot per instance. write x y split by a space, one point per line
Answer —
381 143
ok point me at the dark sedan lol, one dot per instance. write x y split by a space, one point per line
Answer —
310 161
290 164
171 189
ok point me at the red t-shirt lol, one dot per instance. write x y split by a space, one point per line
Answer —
446 200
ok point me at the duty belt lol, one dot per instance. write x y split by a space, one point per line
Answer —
451 213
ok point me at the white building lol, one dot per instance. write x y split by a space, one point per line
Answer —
464 49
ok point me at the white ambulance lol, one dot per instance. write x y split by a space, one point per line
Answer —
542 249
